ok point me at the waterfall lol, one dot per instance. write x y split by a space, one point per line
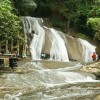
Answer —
55 45
58 51
88 50
79 49
50 80
32 26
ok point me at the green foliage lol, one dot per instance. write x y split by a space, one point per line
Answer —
24 7
94 23
63 14
95 9
72 12
9 23
83 36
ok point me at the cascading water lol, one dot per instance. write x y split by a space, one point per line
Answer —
58 50
39 81
88 50
50 80
32 26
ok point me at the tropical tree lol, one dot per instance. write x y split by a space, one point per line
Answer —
68 12
24 7
9 22
94 25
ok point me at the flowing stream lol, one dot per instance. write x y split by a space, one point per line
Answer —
48 80
56 78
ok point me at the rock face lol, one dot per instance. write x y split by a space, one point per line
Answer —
79 49
55 43
74 48
47 44
93 67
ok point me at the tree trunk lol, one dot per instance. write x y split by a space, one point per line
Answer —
6 46
11 46
18 47
68 26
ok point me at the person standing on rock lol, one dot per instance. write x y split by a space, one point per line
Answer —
94 56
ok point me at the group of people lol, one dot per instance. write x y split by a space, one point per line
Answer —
95 57
14 52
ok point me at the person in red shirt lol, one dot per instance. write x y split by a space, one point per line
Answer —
94 56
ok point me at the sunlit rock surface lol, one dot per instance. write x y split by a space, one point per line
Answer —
74 47
93 68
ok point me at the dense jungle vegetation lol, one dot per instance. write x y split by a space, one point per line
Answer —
74 17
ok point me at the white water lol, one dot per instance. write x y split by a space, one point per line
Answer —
50 80
58 51
88 50
32 25
41 83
